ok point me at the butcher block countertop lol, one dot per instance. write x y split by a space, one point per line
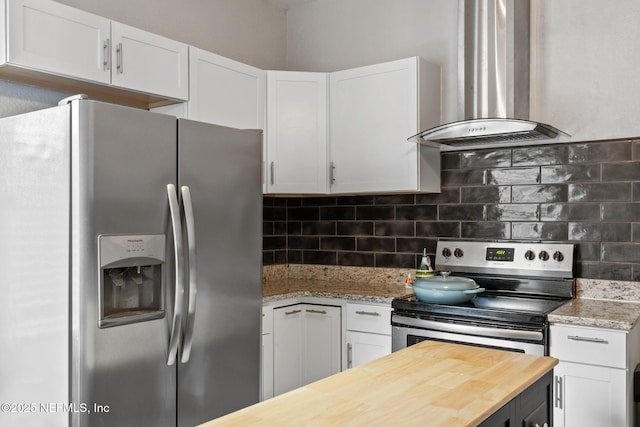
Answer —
430 383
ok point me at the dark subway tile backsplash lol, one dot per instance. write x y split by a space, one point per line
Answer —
582 193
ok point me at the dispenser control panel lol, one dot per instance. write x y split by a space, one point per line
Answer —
114 248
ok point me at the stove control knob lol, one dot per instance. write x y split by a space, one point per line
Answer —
543 255
529 255
446 252
458 253
558 256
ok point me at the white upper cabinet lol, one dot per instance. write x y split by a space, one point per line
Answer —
149 63
225 92
296 132
50 36
373 110
63 48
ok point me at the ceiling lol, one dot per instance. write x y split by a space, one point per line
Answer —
287 4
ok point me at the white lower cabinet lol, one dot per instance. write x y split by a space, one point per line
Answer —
593 383
266 379
368 335
306 344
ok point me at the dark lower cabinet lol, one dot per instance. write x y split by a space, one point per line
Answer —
531 408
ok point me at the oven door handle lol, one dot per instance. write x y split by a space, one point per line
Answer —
467 329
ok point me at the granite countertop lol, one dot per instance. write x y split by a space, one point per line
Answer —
599 303
622 315
277 290
430 383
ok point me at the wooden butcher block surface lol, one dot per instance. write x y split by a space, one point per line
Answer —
428 384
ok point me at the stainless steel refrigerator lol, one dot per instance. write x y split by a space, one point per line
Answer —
130 263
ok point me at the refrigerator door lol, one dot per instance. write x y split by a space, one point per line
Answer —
221 168
34 260
122 161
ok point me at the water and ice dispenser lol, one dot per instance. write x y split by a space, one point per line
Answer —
131 278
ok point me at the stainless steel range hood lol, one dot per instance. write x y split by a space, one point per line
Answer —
493 81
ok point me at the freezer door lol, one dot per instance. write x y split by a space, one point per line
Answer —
221 168
122 161
34 260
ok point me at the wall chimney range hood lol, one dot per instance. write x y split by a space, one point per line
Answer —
493 81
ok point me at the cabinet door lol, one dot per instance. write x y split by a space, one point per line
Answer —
149 63
374 110
51 37
287 348
321 342
365 347
267 354
225 92
296 132
586 395
306 345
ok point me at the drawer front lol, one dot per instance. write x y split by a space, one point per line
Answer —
594 346
369 318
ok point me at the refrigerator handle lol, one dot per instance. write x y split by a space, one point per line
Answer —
191 245
176 225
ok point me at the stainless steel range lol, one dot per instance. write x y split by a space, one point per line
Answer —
523 283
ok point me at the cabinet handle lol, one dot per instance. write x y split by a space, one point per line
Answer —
119 65
106 54
332 173
368 313
558 400
349 352
288 313
588 339
272 172
316 311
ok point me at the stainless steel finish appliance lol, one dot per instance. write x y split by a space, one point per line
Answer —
131 260
523 283
493 81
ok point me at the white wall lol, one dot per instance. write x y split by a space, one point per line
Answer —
330 35
585 67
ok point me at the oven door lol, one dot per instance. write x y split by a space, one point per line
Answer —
410 330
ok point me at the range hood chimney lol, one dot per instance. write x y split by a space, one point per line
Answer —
494 80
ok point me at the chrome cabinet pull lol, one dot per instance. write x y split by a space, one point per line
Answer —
349 353
106 54
315 311
289 313
119 65
558 399
332 173
272 168
588 339
368 313
189 221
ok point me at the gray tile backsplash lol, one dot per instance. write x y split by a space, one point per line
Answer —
583 193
